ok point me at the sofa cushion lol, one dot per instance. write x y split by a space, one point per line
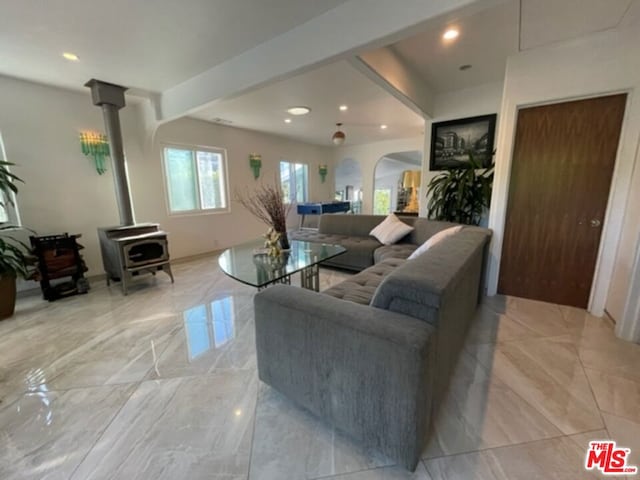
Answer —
435 239
359 254
418 287
424 229
391 230
361 287
399 250
349 225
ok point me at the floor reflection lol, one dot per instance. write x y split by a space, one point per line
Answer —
210 325
35 381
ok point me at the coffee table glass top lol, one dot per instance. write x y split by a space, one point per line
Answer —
240 263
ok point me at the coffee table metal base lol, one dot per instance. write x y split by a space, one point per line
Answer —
309 279
281 281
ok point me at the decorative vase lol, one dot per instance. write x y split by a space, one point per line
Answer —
272 242
284 241
7 296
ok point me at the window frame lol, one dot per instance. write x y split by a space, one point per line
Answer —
10 204
292 191
225 181
13 216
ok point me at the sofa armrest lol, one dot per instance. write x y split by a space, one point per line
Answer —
367 371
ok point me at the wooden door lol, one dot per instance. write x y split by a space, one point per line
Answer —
563 162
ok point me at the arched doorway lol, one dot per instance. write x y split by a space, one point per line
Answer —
396 185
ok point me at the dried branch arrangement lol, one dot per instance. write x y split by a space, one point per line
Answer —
266 203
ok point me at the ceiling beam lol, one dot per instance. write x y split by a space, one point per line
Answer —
342 32
384 67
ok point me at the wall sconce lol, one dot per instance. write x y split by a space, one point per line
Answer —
97 146
255 162
322 170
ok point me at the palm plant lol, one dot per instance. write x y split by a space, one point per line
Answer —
14 261
460 194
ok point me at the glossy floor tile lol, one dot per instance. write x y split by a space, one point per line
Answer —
162 384
481 415
46 434
194 427
291 443
558 458
548 374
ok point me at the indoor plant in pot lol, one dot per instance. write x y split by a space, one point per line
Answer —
460 194
267 204
13 258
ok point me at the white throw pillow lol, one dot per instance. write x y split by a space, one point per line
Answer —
435 239
390 230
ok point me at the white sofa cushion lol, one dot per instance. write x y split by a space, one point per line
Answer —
391 230
435 239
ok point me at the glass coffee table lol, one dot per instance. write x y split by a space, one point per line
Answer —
261 270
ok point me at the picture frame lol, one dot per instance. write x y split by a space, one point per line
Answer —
452 139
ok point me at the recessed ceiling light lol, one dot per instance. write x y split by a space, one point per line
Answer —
465 67
287 120
383 127
450 34
343 108
72 57
298 110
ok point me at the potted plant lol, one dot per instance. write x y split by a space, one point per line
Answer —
267 204
13 259
460 194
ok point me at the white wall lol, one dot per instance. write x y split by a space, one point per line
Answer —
596 65
347 173
193 234
367 155
470 102
63 192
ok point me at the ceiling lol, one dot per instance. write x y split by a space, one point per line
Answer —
395 164
413 157
155 45
486 39
549 21
323 90
149 45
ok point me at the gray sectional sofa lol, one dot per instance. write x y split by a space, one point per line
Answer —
373 355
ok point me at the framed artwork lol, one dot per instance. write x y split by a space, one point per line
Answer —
451 142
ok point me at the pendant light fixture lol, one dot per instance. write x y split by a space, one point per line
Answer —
338 137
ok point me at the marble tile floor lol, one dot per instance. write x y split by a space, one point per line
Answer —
162 384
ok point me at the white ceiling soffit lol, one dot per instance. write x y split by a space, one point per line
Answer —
147 45
486 39
549 21
412 157
323 90
337 34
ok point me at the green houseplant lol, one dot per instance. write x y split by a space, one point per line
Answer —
13 259
267 203
460 194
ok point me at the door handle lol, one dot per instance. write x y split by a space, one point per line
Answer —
595 223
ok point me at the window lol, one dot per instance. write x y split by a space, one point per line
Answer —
196 179
294 178
209 326
8 211
382 201
4 215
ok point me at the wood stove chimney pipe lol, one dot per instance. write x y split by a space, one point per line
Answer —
111 98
